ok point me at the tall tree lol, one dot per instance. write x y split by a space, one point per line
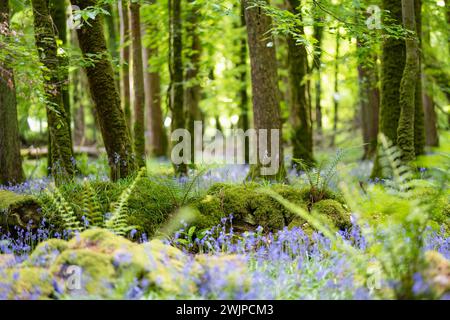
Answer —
138 84
266 106
419 117
157 140
244 119
392 65
105 95
59 129
302 139
193 88
125 59
336 87
318 35
176 101
10 160
111 24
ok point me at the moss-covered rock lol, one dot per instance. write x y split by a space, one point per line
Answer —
251 208
18 210
99 240
26 284
46 253
95 272
334 212
437 273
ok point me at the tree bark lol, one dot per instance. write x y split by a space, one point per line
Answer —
176 75
405 131
419 117
336 88
125 60
106 96
112 40
302 139
59 129
244 119
318 35
266 108
10 159
157 139
138 85
392 66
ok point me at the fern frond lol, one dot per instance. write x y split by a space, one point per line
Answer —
65 211
91 207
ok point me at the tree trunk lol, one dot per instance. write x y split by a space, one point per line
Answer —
157 139
419 118
10 160
193 89
318 35
112 40
244 119
176 75
138 85
405 131
336 89
106 96
125 60
59 129
302 139
392 65
266 108
78 104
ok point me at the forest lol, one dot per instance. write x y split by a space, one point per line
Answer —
224 149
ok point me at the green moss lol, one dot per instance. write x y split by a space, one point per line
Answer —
27 284
99 240
250 208
46 253
18 210
334 212
97 273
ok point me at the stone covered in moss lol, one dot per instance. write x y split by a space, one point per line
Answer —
251 208
26 284
437 273
334 212
18 210
46 253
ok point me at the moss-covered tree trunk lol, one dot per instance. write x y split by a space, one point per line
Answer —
138 84
193 88
266 106
392 65
59 129
176 75
10 159
419 117
111 24
301 139
106 96
125 60
244 119
405 131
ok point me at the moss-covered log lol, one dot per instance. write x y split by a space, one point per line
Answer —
105 95
18 210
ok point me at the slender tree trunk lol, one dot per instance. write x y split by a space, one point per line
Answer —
336 89
125 60
302 139
244 119
405 131
392 65
176 75
419 117
106 96
138 85
59 129
266 107
318 35
78 104
157 140
10 159
112 40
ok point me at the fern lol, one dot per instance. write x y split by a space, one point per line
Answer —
117 222
91 207
65 211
